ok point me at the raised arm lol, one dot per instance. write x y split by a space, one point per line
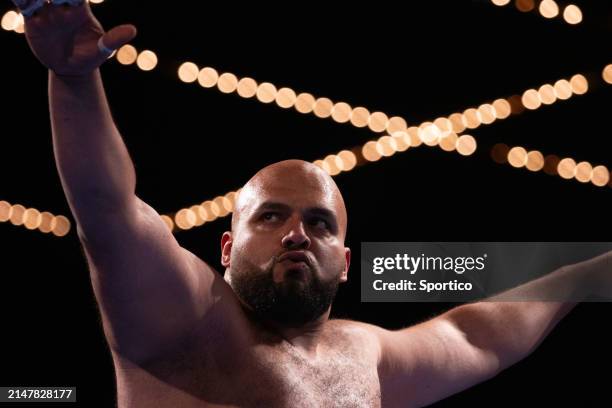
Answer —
474 342
150 290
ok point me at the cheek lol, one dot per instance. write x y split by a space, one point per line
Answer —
332 257
252 247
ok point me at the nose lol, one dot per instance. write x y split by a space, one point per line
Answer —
296 237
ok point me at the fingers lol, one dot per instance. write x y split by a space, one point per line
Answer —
104 50
21 4
29 7
69 2
115 38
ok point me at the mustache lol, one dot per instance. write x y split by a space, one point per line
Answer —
295 256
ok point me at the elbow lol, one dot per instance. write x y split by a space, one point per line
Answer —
92 207
99 200
499 344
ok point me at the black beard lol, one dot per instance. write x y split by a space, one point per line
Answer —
290 303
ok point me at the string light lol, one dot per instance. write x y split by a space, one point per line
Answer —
524 5
546 93
449 142
323 108
600 176
341 112
247 87
386 146
428 133
198 215
62 226
551 163
531 99
369 152
360 117
502 108
579 84
456 120
584 171
607 73
487 113
10 20
499 153
33 219
285 98
266 92
127 55
147 60
168 221
563 90
471 118
535 161
517 157
443 132
566 168
188 72
208 77
228 83
572 14
304 103
377 122
397 124
548 9
465 145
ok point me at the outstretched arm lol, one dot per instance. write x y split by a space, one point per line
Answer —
474 342
150 290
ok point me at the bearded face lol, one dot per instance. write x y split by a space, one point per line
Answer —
300 297
285 255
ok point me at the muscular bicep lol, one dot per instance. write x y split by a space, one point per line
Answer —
151 291
428 362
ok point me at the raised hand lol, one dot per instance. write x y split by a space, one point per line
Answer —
67 38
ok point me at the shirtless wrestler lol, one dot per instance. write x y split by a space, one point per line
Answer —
182 335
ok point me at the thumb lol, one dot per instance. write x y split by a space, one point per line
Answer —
119 36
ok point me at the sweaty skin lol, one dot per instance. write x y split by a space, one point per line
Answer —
260 363
182 335
291 208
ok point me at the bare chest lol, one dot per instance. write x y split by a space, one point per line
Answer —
336 379
265 376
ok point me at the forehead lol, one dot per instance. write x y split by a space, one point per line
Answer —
296 190
297 184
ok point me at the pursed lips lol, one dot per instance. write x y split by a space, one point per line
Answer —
295 256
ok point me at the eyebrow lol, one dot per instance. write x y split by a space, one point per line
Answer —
319 211
272 205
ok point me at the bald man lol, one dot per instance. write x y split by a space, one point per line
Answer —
181 335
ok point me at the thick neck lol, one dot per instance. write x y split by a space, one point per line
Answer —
304 339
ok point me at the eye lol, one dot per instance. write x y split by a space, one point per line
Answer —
319 223
270 216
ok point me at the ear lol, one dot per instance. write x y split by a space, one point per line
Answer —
226 248
347 257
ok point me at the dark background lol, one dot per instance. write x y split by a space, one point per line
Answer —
419 60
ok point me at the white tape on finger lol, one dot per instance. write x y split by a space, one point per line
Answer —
107 52
69 2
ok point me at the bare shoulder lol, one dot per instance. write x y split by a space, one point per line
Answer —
354 327
362 336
